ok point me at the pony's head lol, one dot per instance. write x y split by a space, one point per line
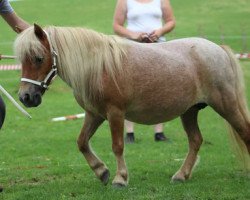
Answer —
38 60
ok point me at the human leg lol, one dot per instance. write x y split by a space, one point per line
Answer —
159 134
2 112
129 126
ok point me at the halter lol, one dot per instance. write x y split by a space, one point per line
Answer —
53 72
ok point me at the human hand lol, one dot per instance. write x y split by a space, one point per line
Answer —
155 35
139 36
147 39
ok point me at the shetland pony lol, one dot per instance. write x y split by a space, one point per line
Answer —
115 79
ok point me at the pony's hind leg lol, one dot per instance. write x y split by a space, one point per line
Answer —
233 108
91 123
190 124
240 128
234 105
116 122
238 118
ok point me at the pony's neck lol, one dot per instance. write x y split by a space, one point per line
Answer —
83 56
67 55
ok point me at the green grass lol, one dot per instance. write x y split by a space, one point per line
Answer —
40 159
194 18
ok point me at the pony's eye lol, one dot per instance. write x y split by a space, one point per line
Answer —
39 60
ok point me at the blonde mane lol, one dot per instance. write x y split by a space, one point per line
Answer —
83 56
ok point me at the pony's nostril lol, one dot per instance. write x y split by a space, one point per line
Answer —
37 99
26 98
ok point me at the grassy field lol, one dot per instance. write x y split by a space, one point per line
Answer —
195 18
40 159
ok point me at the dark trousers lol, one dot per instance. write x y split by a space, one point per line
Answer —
2 112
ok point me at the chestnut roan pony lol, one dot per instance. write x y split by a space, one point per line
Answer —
115 79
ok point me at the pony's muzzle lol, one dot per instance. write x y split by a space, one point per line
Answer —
30 99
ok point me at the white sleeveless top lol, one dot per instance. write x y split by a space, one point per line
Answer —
144 17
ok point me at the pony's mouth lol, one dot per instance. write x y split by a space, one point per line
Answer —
31 100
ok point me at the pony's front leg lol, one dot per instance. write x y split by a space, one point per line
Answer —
116 123
190 124
91 123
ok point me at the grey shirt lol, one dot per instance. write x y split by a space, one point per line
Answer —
5 7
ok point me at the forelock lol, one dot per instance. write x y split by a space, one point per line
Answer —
27 45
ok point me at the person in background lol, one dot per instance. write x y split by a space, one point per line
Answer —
18 25
147 21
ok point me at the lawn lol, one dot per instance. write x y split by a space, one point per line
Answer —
40 158
194 18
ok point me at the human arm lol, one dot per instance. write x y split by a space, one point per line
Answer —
15 22
168 18
119 22
9 15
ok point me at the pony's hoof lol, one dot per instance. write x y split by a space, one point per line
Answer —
105 177
119 185
177 178
120 180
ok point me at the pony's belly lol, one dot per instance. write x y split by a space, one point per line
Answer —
150 118
150 112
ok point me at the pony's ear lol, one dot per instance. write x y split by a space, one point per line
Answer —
40 34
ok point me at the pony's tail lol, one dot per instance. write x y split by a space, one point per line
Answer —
238 144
